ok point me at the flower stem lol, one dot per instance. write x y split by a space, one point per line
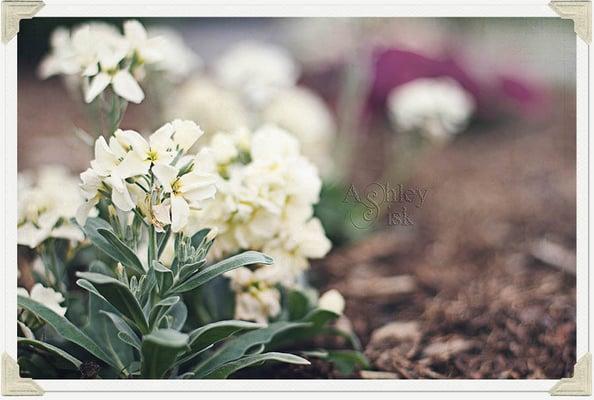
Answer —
152 246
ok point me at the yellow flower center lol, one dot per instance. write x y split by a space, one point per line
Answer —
152 155
176 186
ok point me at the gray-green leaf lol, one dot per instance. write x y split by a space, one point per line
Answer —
159 351
120 252
240 345
55 351
231 367
65 328
212 271
119 296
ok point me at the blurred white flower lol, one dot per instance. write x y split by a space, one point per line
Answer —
256 70
42 272
46 296
178 60
437 107
333 301
256 297
304 114
217 109
101 56
80 50
47 202
294 246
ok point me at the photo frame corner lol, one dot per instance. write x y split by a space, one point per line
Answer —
13 384
580 384
580 12
12 13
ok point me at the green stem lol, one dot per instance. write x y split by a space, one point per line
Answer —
152 246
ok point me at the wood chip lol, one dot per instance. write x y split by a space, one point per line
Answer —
377 375
554 254
396 331
444 350
381 286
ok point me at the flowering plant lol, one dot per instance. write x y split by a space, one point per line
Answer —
126 258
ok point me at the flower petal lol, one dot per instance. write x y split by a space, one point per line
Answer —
84 209
180 212
122 198
126 87
132 165
166 174
97 85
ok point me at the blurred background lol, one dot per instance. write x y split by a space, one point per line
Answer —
479 112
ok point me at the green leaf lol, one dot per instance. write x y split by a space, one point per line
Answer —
207 336
240 345
188 269
160 310
315 320
99 328
65 328
346 361
129 339
159 351
212 271
199 236
90 229
120 252
178 314
298 304
212 333
66 358
162 239
123 328
119 296
164 276
231 367
320 317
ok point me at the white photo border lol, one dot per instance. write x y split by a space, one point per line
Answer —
183 8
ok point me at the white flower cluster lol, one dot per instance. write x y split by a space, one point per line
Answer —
46 296
156 177
437 107
265 196
257 297
46 204
97 55
254 84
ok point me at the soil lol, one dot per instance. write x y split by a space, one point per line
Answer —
491 258
481 286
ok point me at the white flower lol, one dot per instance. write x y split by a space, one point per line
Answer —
122 81
101 56
46 296
265 200
256 297
79 51
217 109
438 107
304 114
256 70
178 60
294 246
146 49
46 205
186 191
333 301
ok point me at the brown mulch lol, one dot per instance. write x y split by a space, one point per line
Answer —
485 280
492 257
